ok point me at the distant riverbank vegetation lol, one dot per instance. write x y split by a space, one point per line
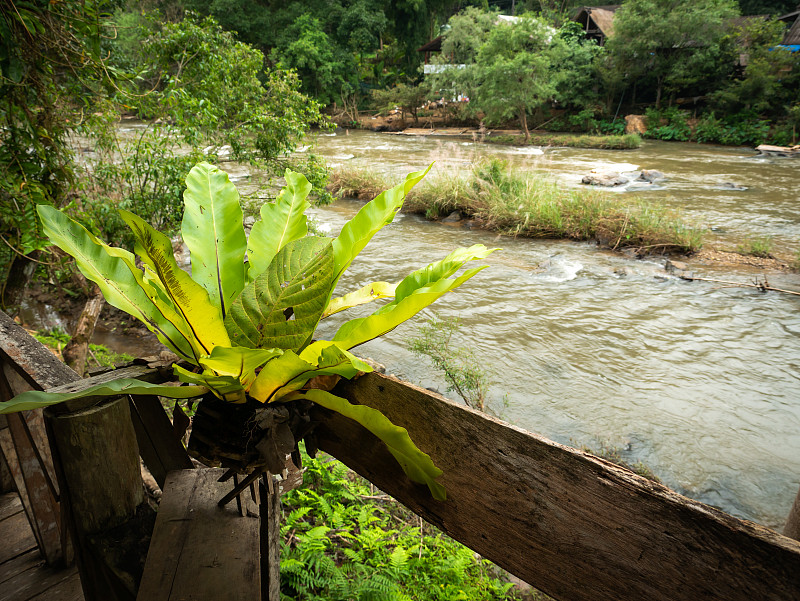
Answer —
623 142
531 205
110 103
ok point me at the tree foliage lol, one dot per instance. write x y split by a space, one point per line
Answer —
47 52
673 43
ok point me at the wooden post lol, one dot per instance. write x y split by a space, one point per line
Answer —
97 463
270 539
792 527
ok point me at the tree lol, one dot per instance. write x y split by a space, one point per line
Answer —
513 70
50 57
675 43
769 82
326 69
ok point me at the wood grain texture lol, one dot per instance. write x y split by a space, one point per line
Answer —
573 525
159 447
270 541
40 368
100 462
200 551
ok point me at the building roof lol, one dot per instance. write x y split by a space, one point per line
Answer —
597 21
792 37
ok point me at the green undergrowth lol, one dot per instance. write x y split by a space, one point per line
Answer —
343 540
614 142
98 355
756 247
535 206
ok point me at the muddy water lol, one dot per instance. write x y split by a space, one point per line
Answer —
588 348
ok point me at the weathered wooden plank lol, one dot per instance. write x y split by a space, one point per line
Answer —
31 359
161 451
33 455
68 589
33 582
200 551
573 525
153 372
10 504
27 561
17 537
271 541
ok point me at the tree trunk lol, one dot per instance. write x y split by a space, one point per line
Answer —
19 274
77 348
523 121
659 85
792 527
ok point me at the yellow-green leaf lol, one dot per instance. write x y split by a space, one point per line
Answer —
417 465
188 297
213 230
281 222
367 294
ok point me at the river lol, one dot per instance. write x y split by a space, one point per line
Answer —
588 347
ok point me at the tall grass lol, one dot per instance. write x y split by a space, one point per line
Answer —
623 142
530 205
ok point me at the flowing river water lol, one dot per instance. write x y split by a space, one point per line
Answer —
587 347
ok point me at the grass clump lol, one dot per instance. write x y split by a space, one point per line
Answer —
756 247
534 206
360 183
343 540
623 142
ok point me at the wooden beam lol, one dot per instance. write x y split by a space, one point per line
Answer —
160 449
201 551
37 365
570 524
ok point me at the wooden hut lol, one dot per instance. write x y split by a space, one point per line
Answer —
597 21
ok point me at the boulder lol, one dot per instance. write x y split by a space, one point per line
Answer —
635 124
650 175
453 217
732 186
608 180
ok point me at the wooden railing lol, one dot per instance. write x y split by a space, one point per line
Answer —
571 524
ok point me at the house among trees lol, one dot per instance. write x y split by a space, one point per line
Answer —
792 38
597 21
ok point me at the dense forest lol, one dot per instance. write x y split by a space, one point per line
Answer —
241 80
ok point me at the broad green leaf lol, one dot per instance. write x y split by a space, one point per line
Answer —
291 372
439 270
239 361
367 294
122 284
35 399
227 388
188 297
385 319
213 231
282 306
372 217
281 222
417 465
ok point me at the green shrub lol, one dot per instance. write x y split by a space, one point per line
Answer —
668 124
756 247
342 540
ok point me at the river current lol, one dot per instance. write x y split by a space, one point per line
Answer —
698 381
590 348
